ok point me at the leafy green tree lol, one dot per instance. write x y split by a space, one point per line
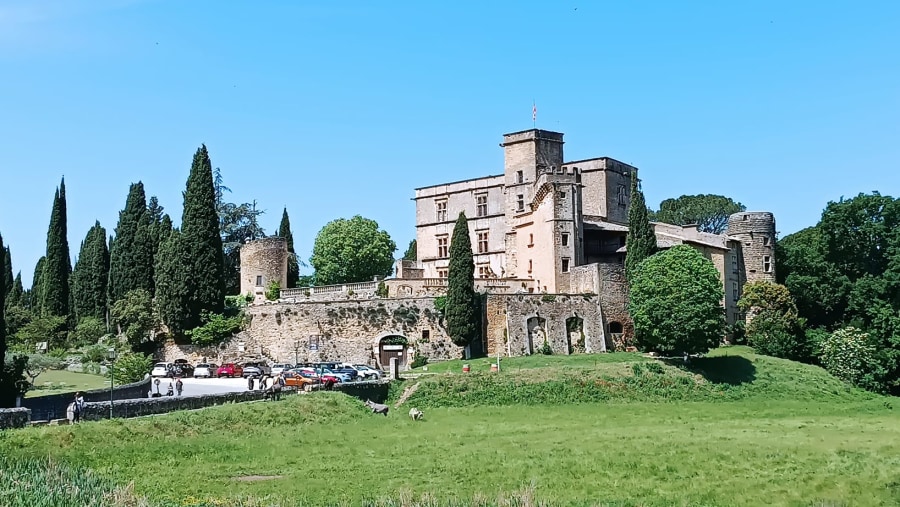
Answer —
641 241
135 317
88 331
353 250
12 380
463 310
37 281
216 329
50 329
675 303
861 234
819 288
238 224
91 275
172 291
708 211
284 231
131 367
200 233
39 363
17 317
851 355
57 264
131 254
411 253
8 279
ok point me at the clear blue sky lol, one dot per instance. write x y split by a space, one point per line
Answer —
342 108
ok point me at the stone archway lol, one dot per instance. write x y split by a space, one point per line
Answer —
575 339
537 334
393 345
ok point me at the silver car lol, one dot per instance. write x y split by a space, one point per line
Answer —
281 367
206 370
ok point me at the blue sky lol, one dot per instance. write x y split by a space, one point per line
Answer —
341 108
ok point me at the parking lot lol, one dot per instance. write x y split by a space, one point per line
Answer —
200 386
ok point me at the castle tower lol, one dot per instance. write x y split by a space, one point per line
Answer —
262 261
755 230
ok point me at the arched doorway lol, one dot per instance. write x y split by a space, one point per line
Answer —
575 335
537 333
392 346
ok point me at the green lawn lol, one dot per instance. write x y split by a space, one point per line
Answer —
62 381
745 430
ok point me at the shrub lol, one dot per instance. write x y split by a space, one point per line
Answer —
94 354
135 316
850 355
779 336
216 329
440 304
675 302
87 332
131 367
273 290
382 290
419 360
546 349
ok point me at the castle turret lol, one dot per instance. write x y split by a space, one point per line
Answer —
263 261
755 230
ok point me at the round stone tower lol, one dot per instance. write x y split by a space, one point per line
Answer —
262 261
756 232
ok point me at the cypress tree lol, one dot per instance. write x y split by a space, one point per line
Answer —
641 240
15 296
463 308
160 226
2 318
410 254
173 292
37 281
91 275
7 273
131 256
284 231
57 264
200 232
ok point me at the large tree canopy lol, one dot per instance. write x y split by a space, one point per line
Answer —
675 302
353 250
462 310
710 212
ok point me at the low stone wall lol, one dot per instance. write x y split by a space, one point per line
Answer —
14 418
149 406
53 406
375 390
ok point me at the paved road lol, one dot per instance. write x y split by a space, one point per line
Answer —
198 386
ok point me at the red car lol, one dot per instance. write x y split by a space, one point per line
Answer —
230 370
323 377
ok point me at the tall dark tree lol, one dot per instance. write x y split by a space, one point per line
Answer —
160 226
37 282
131 255
463 309
14 298
7 273
58 264
411 252
641 240
91 275
200 231
173 291
284 231
708 211
2 317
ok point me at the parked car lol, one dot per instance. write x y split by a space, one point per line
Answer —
281 367
344 377
182 368
322 376
161 370
256 369
206 370
368 372
230 370
298 380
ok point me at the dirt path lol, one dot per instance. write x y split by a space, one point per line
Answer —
406 394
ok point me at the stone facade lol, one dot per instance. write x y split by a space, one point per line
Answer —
263 261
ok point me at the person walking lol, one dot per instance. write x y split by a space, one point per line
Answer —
77 407
179 386
249 382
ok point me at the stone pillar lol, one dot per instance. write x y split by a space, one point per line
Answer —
395 368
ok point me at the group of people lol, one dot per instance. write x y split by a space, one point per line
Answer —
271 385
172 389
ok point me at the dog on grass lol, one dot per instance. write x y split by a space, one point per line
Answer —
416 414
377 408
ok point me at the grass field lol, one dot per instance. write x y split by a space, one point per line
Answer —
62 381
782 434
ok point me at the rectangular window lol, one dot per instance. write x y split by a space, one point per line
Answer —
484 271
531 240
519 177
426 334
767 264
564 239
565 265
443 242
562 195
259 281
735 291
481 205
520 202
482 242
529 265
442 273
734 263
766 240
622 196
440 210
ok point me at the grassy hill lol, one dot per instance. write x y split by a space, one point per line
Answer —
736 429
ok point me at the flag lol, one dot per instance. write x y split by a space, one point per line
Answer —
533 111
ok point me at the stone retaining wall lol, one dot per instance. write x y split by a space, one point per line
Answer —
14 418
53 406
375 390
149 406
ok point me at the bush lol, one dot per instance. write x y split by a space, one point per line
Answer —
94 354
850 355
273 290
382 290
87 332
131 367
546 349
779 336
135 316
675 302
419 360
216 329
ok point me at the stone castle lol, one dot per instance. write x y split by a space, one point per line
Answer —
548 239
